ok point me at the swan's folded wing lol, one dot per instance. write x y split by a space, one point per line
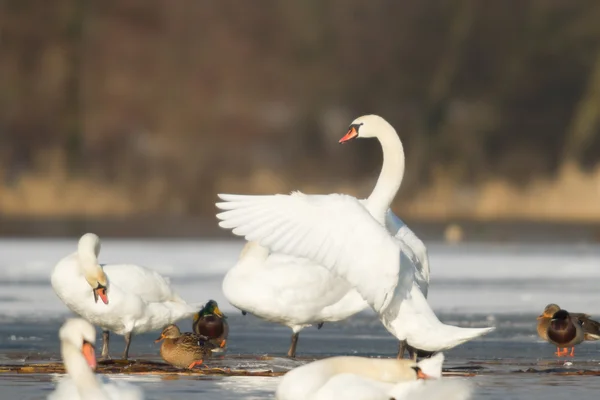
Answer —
335 231
410 244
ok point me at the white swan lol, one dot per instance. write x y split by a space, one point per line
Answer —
134 299
361 378
290 291
77 338
297 292
346 236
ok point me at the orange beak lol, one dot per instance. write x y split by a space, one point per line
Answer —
88 353
159 339
422 375
101 292
352 133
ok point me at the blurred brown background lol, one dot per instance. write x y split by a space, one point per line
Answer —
125 109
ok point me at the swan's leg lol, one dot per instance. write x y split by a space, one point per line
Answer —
401 349
105 341
292 350
412 353
127 344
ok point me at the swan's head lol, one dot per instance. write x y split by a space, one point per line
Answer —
549 311
169 332
81 335
367 126
88 250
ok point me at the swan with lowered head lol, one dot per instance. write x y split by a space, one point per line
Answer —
297 292
134 299
364 378
77 338
342 234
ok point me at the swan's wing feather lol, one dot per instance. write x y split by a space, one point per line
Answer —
335 231
412 246
148 284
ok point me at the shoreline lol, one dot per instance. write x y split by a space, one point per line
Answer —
169 227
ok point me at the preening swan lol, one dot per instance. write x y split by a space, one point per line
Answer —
77 338
347 236
134 299
361 378
298 293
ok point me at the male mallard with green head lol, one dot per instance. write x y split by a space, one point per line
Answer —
184 350
212 323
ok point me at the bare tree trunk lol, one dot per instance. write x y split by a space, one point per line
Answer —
73 122
441 84
585 124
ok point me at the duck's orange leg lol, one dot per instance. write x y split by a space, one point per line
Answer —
572 352
194 364
562 352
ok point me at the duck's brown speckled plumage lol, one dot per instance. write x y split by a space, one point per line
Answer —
184 350
212 323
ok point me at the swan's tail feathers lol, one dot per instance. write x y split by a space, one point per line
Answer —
423 330
432 366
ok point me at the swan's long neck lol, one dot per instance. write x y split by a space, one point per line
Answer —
88 262
391 174
80 372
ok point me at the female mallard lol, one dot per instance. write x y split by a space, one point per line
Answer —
563 330
212 323
184 350
591 328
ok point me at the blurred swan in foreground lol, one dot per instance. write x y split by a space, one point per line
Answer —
77 338
360 378
297 292
338 232
134 299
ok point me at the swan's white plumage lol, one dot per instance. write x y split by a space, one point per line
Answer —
291 291
298 292
337 232
361 378
413 247
81 383
139 300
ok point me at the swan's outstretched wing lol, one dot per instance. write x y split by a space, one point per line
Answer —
410 244
335 231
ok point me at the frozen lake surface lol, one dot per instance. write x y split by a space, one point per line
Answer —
478 285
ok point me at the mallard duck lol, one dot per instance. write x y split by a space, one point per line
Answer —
184 350
562 329
212 323
591 328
